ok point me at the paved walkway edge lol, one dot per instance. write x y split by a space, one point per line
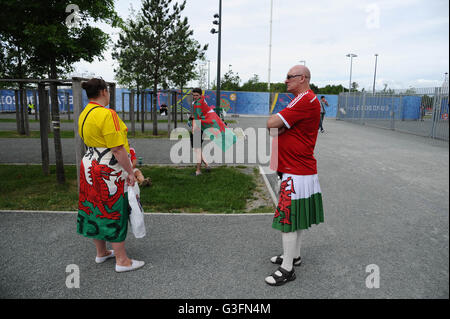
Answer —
159 213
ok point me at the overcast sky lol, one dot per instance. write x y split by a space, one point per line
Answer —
410 36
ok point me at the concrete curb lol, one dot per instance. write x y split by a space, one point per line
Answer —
157 213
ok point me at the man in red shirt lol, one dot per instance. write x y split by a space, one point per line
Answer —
300 200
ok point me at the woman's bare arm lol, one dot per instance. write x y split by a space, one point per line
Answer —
121 155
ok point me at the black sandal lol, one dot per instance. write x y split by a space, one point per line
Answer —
284 278
279 261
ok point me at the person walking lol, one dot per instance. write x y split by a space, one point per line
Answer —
105 174
300 199
323 104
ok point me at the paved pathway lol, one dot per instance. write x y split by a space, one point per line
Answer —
386 202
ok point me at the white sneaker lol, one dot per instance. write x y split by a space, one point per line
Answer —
100 260
135 264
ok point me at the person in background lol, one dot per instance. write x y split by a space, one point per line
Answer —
323 104
202 118
163 110
31 108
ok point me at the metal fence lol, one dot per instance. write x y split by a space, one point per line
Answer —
422 112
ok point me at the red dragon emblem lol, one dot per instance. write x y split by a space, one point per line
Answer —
284 204
98 193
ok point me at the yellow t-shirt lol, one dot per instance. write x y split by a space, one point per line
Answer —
102 128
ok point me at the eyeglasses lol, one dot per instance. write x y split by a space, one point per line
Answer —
288 77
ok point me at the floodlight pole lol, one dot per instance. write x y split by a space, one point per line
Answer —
270 45
218 60
351 56
375 73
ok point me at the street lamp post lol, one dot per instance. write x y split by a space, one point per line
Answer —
375 73
351 56
303 61
270 45
218 22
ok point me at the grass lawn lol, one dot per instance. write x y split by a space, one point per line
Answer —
223 190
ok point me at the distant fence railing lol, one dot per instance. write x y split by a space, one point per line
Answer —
417 111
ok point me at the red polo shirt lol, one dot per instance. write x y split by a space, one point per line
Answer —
296 145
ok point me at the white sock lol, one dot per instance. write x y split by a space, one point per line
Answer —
289 250
299 243
298 246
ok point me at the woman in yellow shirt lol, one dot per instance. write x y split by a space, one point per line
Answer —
105 174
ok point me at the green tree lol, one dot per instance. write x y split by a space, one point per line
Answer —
314 88
54 45
15 47
254 85
186 52
355 86
331 89
129 52
279 87
411 90
386 90
155 32
229 82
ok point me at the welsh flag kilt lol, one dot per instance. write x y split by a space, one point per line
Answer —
300 203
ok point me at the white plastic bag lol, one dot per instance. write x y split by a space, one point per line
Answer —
136 217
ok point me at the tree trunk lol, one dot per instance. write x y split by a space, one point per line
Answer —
181 104
112 97
56 126
123 106
67 98
20 96
49 113
133 131
151 106
155 96
142 113
169 110
145 103
137 104
35 105
17 102
21 107
26 123
43 128
174 105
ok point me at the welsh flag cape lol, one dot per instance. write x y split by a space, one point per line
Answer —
211 123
